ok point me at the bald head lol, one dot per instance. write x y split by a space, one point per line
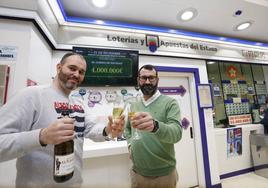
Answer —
63 59
70 72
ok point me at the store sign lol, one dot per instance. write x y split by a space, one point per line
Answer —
185 47
152 42
162 43
240 119
170 44
8 53
252 54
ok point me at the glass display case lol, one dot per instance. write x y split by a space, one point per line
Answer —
235 95
259 84
237 92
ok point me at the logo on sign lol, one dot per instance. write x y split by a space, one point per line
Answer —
152 41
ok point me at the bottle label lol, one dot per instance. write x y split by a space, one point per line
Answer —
64 164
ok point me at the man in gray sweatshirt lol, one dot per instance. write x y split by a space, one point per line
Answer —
29 126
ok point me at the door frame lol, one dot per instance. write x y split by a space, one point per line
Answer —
203 133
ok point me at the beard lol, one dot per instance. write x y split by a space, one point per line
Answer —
68 85
148 89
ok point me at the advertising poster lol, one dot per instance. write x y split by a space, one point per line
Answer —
234 142
216 90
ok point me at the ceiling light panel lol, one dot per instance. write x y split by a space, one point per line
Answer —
243 26
100 3
187 14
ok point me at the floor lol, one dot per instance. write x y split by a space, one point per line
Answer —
249 180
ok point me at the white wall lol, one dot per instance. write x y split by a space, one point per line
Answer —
33 61
56 57
16 34
110 171
33 55
40 57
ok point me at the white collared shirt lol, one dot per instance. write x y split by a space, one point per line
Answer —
151 99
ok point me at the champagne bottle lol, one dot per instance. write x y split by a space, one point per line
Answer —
64 158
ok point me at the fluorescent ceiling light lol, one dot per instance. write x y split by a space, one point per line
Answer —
187 14
172 31
243 26
259 43
210 62
99 3
100 22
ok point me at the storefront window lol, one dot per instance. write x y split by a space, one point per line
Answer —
238 90
214 77
257 72
246 71
259 83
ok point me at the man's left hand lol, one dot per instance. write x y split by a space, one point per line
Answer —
143 121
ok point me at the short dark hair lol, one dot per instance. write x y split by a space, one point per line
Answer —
148 67
68 54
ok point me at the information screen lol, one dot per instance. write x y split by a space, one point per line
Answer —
109 66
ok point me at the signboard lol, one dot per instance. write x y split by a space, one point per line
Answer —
240 119
109 66
205 96
8 53
173 90
216 90
174 46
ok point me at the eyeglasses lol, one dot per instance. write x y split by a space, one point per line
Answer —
144 78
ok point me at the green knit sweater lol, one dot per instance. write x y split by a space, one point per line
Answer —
153 154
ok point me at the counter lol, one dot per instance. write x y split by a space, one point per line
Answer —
102 149
233 164
106 164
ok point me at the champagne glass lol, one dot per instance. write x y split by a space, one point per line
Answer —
131 113
118 109
136 135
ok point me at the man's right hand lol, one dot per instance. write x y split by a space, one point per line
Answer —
60 131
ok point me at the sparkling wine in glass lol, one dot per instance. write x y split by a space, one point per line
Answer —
118 110
136 135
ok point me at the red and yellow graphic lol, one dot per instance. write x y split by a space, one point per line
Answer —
232 72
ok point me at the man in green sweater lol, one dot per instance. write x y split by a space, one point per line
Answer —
157 119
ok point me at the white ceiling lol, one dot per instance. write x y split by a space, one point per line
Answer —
215 17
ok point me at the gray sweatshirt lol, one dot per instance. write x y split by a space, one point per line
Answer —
21 120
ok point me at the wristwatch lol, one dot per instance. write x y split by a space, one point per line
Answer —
104 132
156 126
